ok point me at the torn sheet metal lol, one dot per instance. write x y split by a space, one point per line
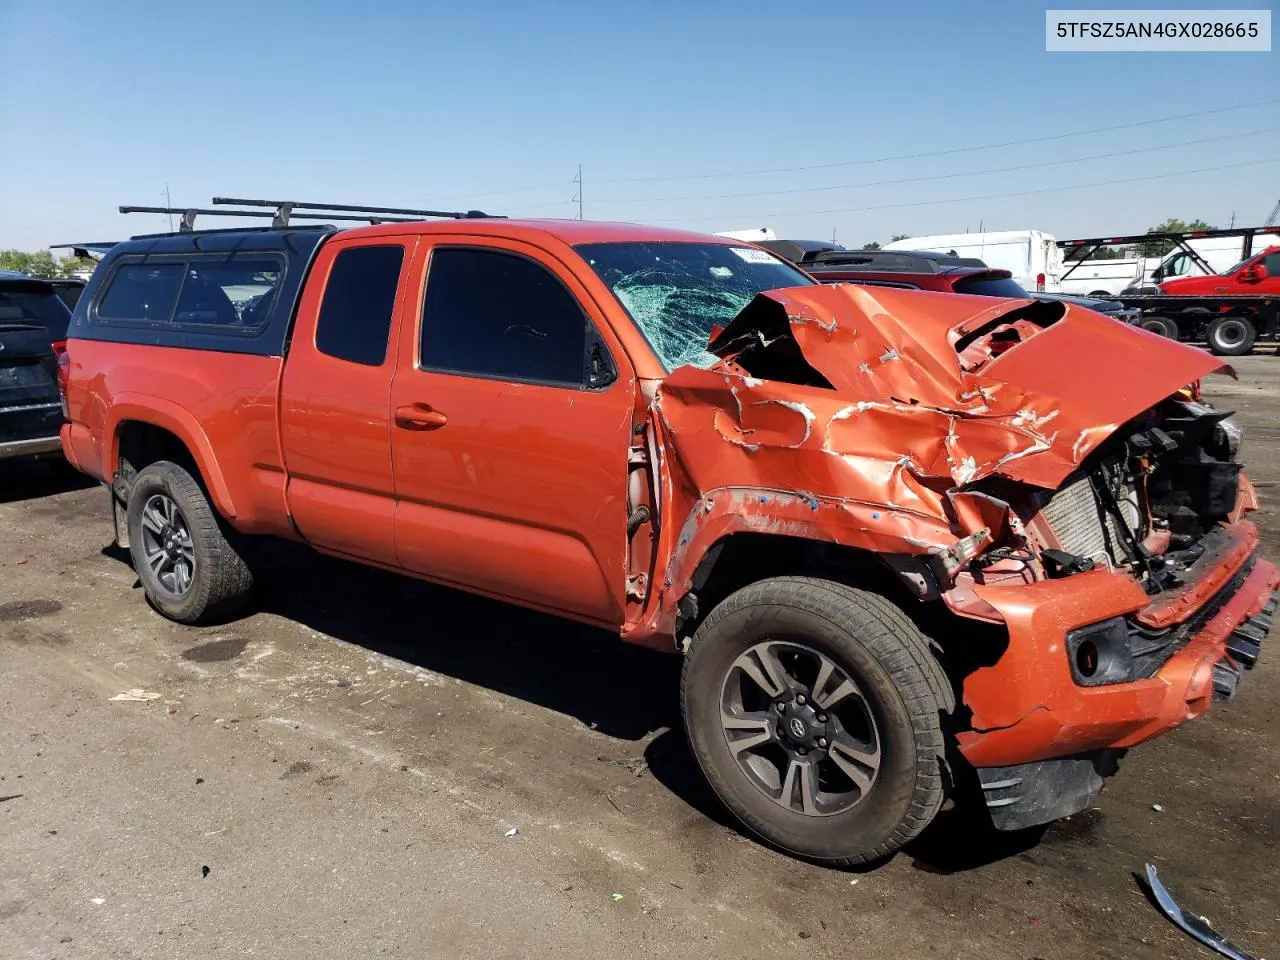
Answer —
965 387
1197 927
861 416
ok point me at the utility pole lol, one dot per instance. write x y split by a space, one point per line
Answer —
168 206
1233 221
578 181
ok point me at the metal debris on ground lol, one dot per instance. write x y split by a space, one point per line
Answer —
1197 927
136 695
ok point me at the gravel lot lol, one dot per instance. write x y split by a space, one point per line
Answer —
337 775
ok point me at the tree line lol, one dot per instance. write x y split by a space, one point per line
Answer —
42 263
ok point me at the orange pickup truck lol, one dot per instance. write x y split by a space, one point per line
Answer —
911 546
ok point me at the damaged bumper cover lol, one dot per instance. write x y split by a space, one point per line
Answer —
1030 705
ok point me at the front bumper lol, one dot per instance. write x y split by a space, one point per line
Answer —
1028 707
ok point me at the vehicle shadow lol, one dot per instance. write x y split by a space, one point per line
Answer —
625 692
621 690
32 479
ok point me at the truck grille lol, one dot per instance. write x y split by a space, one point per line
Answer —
1085 528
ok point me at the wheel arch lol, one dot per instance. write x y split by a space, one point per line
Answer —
143 430
736 536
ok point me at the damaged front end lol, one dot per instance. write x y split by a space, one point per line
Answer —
1032 465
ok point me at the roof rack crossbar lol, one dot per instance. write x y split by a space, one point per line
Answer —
347 208
279 218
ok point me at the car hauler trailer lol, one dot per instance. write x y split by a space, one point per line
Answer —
1227 308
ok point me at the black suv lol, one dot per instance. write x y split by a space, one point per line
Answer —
33 333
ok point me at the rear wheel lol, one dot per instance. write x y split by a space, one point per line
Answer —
1231 336
1165 326
814 710
183 553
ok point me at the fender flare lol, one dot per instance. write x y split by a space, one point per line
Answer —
718 514
168 415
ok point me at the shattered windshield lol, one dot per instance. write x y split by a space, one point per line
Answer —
677 292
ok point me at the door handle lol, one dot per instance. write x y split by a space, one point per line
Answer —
419 416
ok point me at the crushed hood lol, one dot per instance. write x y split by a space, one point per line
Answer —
950 387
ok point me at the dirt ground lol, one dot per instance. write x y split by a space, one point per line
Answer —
338 775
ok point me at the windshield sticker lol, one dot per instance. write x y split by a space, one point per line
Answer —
752 255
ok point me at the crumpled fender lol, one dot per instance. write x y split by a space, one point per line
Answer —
861 417
721 513
1021 388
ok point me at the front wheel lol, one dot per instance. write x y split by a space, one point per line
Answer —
815 712
1231 336
181 549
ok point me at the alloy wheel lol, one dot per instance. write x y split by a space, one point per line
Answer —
800 728
167 548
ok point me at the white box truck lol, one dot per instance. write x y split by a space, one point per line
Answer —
1032 256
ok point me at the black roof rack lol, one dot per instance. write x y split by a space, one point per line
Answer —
281 212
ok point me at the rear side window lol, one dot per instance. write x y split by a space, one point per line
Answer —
238 292
141 293
1271 263
33 304
359 299
232 294
499 315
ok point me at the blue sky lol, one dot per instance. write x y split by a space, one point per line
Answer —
671 108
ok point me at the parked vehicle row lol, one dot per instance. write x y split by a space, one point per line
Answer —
926 270
911 548
1032 257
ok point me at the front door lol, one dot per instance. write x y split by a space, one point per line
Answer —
511 414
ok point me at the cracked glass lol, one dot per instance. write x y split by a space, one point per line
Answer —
677 292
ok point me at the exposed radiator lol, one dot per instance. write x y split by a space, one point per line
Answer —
1084 528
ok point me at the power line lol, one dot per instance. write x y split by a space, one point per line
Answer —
946 153
991 196
870 160
940 176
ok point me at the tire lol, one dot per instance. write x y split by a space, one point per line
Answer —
180 524
1165 326
901 690
1231 336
